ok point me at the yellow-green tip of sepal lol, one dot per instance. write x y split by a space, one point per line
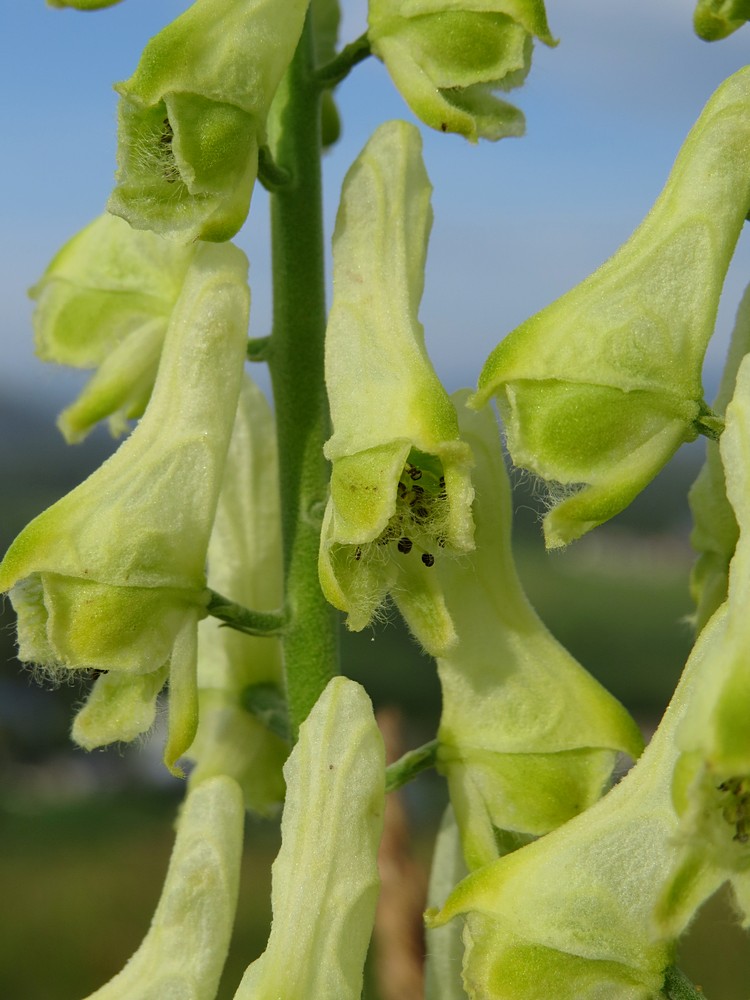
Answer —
401 491
184 950
448 59
600 389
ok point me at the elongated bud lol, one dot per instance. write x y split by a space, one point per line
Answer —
184 951
400 488
448 59
325 877
112 577
599 389
193 116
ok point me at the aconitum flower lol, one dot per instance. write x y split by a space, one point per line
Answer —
193 116
527 737
244 565
112 577
572 915
400 488
184 951
325 877
599 389
104 302
449 57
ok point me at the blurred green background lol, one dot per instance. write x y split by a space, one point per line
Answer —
85 838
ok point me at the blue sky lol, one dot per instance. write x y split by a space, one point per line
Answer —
516 222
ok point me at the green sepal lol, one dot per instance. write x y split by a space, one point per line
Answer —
599 389
193 116
119 708
448 58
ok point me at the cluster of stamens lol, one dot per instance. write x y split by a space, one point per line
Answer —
736 806
421 503
171 173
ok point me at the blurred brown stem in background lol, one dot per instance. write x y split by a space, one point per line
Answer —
399 930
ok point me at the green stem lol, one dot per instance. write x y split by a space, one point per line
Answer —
310 639
259 349
678 987
335 71
410 765
243 619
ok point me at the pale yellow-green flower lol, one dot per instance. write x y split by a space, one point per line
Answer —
448 58
325 878
112 577
193 116
400 487
104 302
527 737
244 565
183 953
599 389
571 915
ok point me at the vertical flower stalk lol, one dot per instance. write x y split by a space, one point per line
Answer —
400 487
112 577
